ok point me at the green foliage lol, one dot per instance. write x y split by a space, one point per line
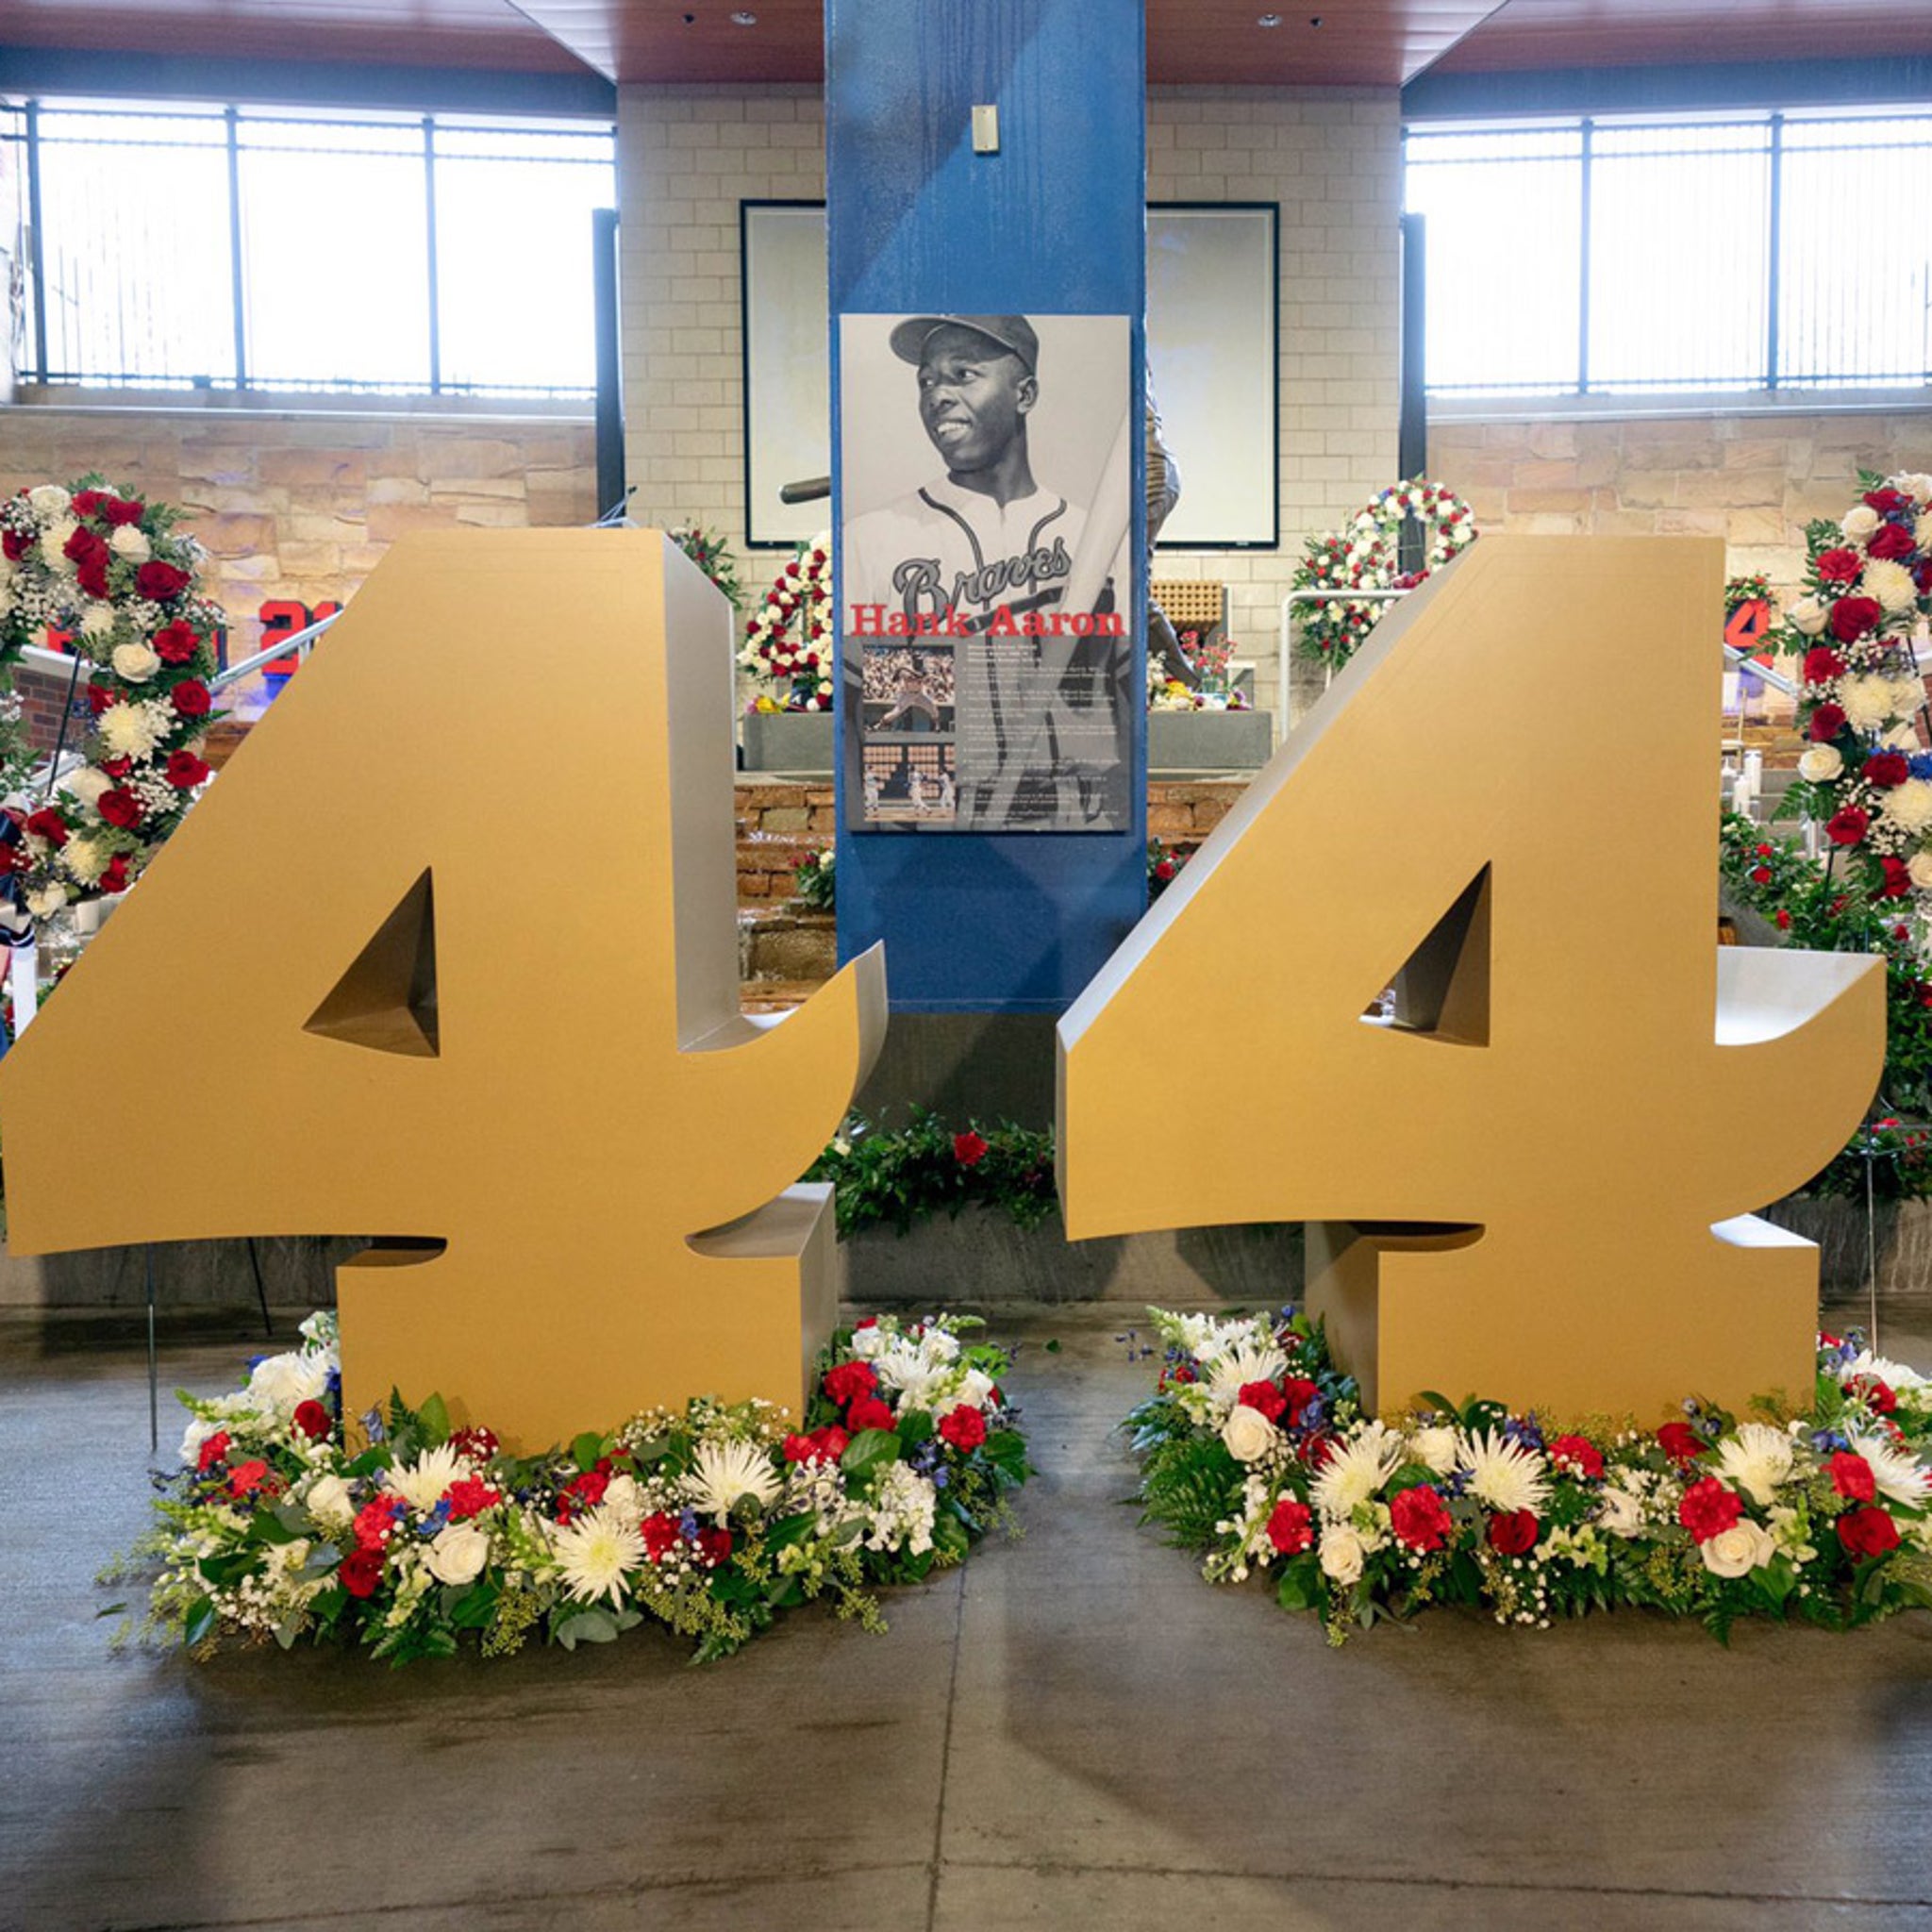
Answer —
712 556
900 1176
1190 1485
817 881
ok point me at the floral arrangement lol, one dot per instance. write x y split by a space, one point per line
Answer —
107 570
710 1521
712 556
787 637
1740 592
907 1175
816 879
1254 1451
1367 557
1164 864
1864 613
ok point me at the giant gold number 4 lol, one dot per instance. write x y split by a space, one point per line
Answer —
450 953
1535 1184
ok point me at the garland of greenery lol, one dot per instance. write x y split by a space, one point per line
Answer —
908 1175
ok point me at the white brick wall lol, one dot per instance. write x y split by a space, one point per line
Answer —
1331 157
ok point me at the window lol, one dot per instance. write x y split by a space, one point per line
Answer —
1634 256
381 254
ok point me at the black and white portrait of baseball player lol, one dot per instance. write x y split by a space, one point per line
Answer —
986 465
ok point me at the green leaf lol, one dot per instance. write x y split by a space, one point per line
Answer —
1052 1348
112 1610
587 1449
949 1537
200 1621
788 1530
915 1428
433 1419
585 1627
470 1609
223 1571
870 1449
266 1527
1300 1588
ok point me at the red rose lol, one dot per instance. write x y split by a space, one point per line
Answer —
81 544
1418 1517
190 698
99 697
1898 879
185 771
245 1477
661 1534
849 1381
1887 768
1578 1455
47 824
90 574
87 502
1867 1533
312 1419
1847 825
1290 1529
714 1546
1265 1396
1852 617
868 1412
1827 720
1708 1510
158 581
1679 1441
214 1450
969 1150
468 1497
1851 1476
1784 920
360 1571
1822 664
120 510
1512 1531
119 807
1164 871
115 878
1841 565
16 543
176 644
1886 501
1760 874
117 769
963 1427
1892 542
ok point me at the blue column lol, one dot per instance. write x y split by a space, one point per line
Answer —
1053 223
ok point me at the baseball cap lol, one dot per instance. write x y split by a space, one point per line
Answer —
1012 332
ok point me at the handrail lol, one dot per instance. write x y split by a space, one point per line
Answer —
300 641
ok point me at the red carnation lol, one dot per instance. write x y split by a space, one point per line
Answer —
799 1449
714 1546
376 1523
969 1150
115 878
1847 825
868 1412
1866 1532
47 824
119 768
1578 1455
1708 1510
176 644
99 697
246 1477
312 1419
1300 1392
1290 1529
849 1381
1874 1394
190 698
1265 1396
1513 1531
213 1450
122 510
119 807
185 771
468 1497
830 1443
1891 541
1419 1518
964 1427
1679 1441
1165 870
1827 720
1840 565
360 1571
661 1535
1852 617
158 581
1851 1476
479 1444
1886 769
1822 664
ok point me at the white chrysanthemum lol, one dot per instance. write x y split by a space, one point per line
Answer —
1910 806
136 663
1891 583
1898 1473
97 620
1896 1376
7 599
49 500
724 1472
595 1554
1808 616
1505 1476
421 1483
1859 522
917 1381
1821 764
1355 1471
129 731
84 860
1249 1362
1757 1459
45 901
1871 700
130 540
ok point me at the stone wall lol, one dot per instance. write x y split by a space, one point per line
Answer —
299 506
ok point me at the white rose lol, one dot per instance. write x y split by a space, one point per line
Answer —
1821 764
1860 523
87 784
49 500
1914 483
1904 737
283 1382
97 620
869 1343
1735 1552
136 663
328 1500
1889 583
1435 1449
1620 1513
458 1554
1921 531
1810 616
1248 1433
54 546
129 541
1919 868
45 901
1342 1553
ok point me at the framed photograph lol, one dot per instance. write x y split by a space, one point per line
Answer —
1213 351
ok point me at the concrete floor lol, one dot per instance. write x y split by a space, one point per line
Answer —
1074 1732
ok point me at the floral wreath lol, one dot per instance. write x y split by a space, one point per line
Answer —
787 644
105 568
1866 602
1367 557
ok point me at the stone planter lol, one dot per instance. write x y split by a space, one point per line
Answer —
789 741
983 1258
1209 740
1901 1232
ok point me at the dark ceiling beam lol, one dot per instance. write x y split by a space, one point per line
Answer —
1904 81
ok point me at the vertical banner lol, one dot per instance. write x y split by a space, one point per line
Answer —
988 347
